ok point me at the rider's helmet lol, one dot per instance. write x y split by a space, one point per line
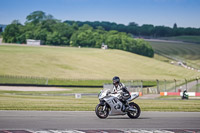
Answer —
116 80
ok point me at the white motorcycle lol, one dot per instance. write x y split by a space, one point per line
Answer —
111 105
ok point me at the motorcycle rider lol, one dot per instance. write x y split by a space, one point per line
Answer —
185 96
120 88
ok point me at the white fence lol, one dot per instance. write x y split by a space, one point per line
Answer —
33 42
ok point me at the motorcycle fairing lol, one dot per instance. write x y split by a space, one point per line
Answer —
134 95
115 105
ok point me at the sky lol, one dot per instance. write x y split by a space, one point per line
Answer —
185 13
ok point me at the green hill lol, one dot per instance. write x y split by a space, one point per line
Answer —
192 39
185 52
84 63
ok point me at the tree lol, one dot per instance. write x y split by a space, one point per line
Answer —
36 17
175 26
1 29
146 29
50 31
16 22
162 31
133 24
175 30
12 32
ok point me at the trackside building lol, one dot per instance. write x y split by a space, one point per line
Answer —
33 42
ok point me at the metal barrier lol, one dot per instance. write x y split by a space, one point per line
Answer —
155 87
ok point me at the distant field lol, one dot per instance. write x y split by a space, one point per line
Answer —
193 39
85 64
186 52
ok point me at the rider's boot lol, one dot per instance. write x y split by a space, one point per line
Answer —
126 106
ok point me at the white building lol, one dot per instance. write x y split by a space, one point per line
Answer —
103 46
33 42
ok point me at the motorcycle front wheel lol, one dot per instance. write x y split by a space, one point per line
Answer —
101 111
136 114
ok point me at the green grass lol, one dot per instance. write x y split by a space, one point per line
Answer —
195 88
64 103
84 64
162 58
187 52
5 79
22 80
68 91
193 39
78 82
69 103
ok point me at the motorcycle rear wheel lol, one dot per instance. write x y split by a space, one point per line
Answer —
100 112
134 115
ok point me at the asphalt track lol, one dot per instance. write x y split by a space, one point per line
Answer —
60 120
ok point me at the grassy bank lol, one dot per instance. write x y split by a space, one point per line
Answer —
186 52
84 64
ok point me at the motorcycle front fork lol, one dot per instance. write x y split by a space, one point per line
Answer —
104 107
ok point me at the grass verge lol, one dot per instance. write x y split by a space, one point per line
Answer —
70 103
68 91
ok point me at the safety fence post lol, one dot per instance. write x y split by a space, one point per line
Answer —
142 87
197 87
175 85
47 81
158 90
186 84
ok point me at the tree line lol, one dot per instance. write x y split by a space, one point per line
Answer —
50 31
146 30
